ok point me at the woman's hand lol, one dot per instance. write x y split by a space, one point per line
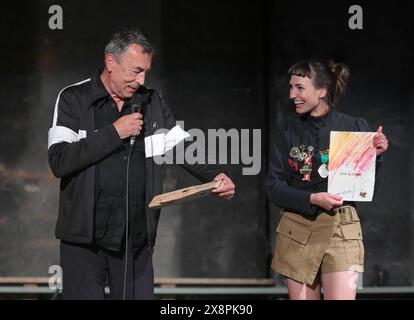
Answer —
326 200
380 141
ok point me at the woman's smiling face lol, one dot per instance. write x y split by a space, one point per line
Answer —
306 97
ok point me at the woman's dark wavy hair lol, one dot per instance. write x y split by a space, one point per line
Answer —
329 75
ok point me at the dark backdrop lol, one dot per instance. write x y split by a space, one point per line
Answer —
219 64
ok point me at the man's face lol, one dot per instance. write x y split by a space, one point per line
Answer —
128 73
305 95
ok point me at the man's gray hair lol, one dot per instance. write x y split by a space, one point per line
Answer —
122 39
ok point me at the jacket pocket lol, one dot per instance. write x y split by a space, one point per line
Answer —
102 214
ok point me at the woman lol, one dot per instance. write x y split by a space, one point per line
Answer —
319 238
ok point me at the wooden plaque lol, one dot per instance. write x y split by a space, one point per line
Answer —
182 195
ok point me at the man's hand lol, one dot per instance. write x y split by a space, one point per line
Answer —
326 200
227 188
129 125
380 141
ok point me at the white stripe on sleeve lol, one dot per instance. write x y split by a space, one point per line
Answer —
159 144
58 98
59 134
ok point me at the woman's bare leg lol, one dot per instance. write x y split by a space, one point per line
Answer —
340 285
302 291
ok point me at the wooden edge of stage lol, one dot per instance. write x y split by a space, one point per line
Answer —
168 282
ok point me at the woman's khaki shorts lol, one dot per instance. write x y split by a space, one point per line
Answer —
332 242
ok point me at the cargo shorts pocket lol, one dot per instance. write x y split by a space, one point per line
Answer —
292 239
354 246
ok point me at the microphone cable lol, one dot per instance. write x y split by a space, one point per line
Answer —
135 108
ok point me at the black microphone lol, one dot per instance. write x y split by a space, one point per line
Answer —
135 108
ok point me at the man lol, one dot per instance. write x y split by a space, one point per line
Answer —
99 149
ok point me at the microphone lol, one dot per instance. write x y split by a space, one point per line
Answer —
135 108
